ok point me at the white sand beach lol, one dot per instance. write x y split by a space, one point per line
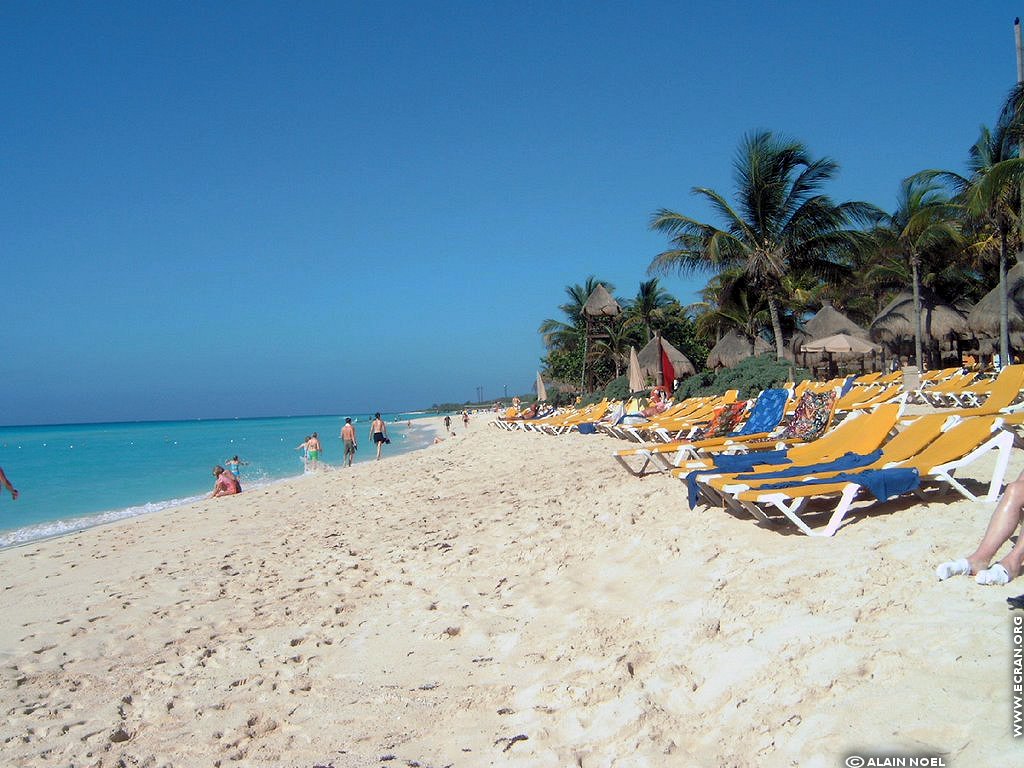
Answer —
500 599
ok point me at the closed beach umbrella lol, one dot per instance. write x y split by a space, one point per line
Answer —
732 349
842 344
542 393
636 378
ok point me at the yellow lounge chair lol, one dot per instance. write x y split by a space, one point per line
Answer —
1003 396
956 448
859 433
904 445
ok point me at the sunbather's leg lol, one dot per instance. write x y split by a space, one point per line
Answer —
1005 520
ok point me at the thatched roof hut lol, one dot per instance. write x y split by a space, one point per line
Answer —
828 321
732 348
601 304
983 319
650 360
939 319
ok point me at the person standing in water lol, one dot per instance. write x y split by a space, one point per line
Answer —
235 464
314 451
348 436
304 447
379 433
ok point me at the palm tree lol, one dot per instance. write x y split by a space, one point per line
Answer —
781 222
650 302
925 222
619 336
564 335
991 194
744 312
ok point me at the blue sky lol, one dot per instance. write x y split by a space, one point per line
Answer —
215 209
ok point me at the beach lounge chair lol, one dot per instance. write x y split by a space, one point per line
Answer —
958 447
763 422
810 420
590 413
1004 395
680 427
945 393
634 428
905 444
859 434
725 418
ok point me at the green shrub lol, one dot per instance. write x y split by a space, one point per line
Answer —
750 377
617 389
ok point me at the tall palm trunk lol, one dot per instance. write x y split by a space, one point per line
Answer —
917 312
773 309
1004 303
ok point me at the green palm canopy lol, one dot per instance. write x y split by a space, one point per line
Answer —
780 223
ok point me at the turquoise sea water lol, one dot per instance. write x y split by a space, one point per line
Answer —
79 475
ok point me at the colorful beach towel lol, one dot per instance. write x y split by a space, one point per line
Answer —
811 417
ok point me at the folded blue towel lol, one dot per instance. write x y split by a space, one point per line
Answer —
731 463
843 463
587 429
882 483
745 462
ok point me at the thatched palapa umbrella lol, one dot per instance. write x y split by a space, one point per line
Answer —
983 319
842 344
600 304
732 349
939 319
655 354
828 321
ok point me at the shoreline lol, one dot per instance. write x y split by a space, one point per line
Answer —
440 606
68 526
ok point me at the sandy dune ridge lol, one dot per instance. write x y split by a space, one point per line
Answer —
499 599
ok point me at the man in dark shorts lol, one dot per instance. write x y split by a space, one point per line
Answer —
379 433
348 436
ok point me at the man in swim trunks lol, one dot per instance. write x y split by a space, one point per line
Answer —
314 451
348 436
7 484
379 433
226 483
447 423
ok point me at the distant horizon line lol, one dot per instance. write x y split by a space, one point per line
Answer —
207 418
